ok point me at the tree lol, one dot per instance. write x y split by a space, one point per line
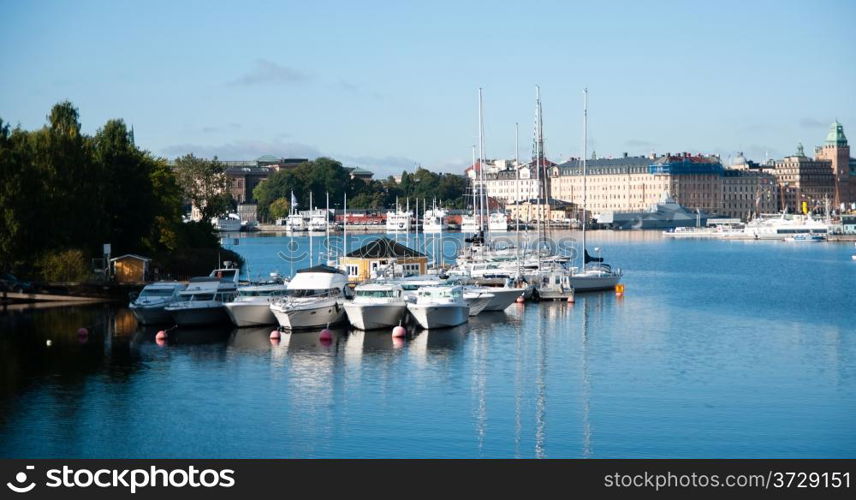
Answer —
278 209
204 183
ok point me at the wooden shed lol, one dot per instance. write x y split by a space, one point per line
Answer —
130 268
365 262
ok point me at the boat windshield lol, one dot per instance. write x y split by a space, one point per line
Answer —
156 292
375 293
329 292
260 293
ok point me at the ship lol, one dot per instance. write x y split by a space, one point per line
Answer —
667 214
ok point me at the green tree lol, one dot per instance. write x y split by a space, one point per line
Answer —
204 183
278 209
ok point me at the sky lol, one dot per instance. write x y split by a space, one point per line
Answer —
391 85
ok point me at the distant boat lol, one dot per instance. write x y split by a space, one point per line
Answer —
806 238
228 223
469 224
497 222
667 214
398 221
434 221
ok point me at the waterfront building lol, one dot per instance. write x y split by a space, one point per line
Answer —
804 180
836 150
383 255
535 209
508 181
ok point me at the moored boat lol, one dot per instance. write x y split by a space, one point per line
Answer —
314 299
440 306
376 305
251 307
149 306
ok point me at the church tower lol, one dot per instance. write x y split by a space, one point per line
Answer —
836 150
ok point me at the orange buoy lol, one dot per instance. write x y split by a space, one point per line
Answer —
619 290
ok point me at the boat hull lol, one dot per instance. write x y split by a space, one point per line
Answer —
375 316
478 302
153 315
304 317
592 283
200 315
502 298
439 316
250 314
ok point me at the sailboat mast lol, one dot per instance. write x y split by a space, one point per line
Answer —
484 208
311 209
517 188
539 214
327 227
345 228
585 153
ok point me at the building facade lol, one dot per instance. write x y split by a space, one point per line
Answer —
806 180
836 150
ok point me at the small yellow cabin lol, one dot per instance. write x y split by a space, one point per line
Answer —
130 268
383 256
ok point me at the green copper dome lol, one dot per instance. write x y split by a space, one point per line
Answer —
835 137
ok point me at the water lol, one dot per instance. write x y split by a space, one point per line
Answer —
718 349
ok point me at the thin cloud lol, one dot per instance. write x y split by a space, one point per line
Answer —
243 150
811 123
268 72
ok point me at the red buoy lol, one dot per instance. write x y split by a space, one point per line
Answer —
326 334
521 300
161 335
399 332
275 335
82 332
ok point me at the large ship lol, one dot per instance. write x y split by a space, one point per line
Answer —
666 214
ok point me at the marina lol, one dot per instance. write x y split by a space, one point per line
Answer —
691 362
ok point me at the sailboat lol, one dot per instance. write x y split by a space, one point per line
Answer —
593 274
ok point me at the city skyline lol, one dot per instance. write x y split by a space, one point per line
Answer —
387 87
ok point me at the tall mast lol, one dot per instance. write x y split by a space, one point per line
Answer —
345 228
475 182
538 213
327 227
585 153
311 259
484 209
517 188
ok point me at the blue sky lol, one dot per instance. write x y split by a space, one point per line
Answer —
388 85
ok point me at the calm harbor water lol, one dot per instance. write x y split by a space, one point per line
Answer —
718 349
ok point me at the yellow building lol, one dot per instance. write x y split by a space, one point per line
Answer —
130 268
383 255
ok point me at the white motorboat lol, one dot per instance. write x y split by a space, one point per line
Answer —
502 297
314 299
469 224
295 223
434 221
477 300
806 238
398 221
201 303
229 223
497 222
779 227
318 220
376 305
252 305
148 306
439 306
554 284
